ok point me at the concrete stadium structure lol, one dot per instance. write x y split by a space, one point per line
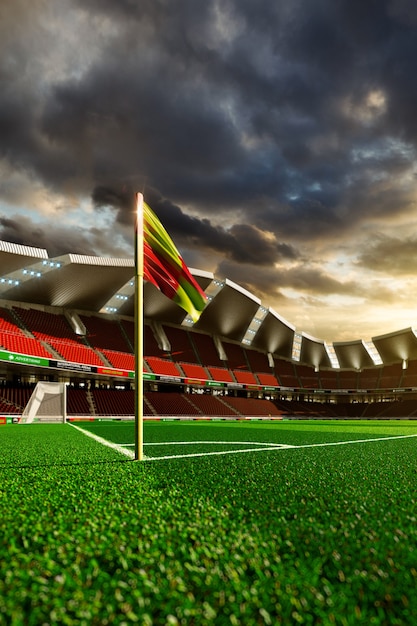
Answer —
29 277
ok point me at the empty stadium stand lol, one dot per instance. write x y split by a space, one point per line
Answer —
14 342
236 357
162 367
182 348
120 360
245 378
197 372
43 324
221 374
285 373
193 359
105 333
409 378
206 350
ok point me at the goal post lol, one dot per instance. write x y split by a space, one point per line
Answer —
48 403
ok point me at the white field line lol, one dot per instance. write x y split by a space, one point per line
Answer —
343 443
277 447
104 442
213 443
219 453
262 446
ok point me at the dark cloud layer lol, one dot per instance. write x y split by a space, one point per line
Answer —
261 133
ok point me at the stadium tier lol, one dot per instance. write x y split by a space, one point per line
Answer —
71 320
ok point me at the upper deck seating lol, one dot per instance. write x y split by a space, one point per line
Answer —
206 350
258 361
368 378
245 378
267 380
285 372
409 378
23 345
191 370
76 353
120 360
390 377
348 379
7 323
162 366
181 346
329 379
105 333
44 324
307 376
151 347
221 374
236 358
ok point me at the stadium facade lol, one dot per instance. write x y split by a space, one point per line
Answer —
239 348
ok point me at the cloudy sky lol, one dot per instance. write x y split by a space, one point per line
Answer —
275 139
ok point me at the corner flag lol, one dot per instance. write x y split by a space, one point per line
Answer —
158 261
165 268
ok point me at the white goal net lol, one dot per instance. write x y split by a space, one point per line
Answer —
46 404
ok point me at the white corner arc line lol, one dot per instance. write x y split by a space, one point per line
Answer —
114 446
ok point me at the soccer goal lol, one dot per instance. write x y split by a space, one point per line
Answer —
48 403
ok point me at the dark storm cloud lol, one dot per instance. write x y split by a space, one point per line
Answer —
55 239
242 243
285 118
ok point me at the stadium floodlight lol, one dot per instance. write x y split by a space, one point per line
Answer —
254 325
373 352
296 346
331 353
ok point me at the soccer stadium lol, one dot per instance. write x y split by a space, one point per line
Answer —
279 479
71 320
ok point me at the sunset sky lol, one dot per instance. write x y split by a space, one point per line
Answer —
275 139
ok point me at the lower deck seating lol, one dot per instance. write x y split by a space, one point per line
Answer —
15 398
171 404
77 402
213 405
113 401
253 407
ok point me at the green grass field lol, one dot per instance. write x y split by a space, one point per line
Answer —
223 523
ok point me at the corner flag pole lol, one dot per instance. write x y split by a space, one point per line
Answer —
139 329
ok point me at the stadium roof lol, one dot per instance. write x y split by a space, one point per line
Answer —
104 285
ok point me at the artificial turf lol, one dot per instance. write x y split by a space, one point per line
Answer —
311 535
